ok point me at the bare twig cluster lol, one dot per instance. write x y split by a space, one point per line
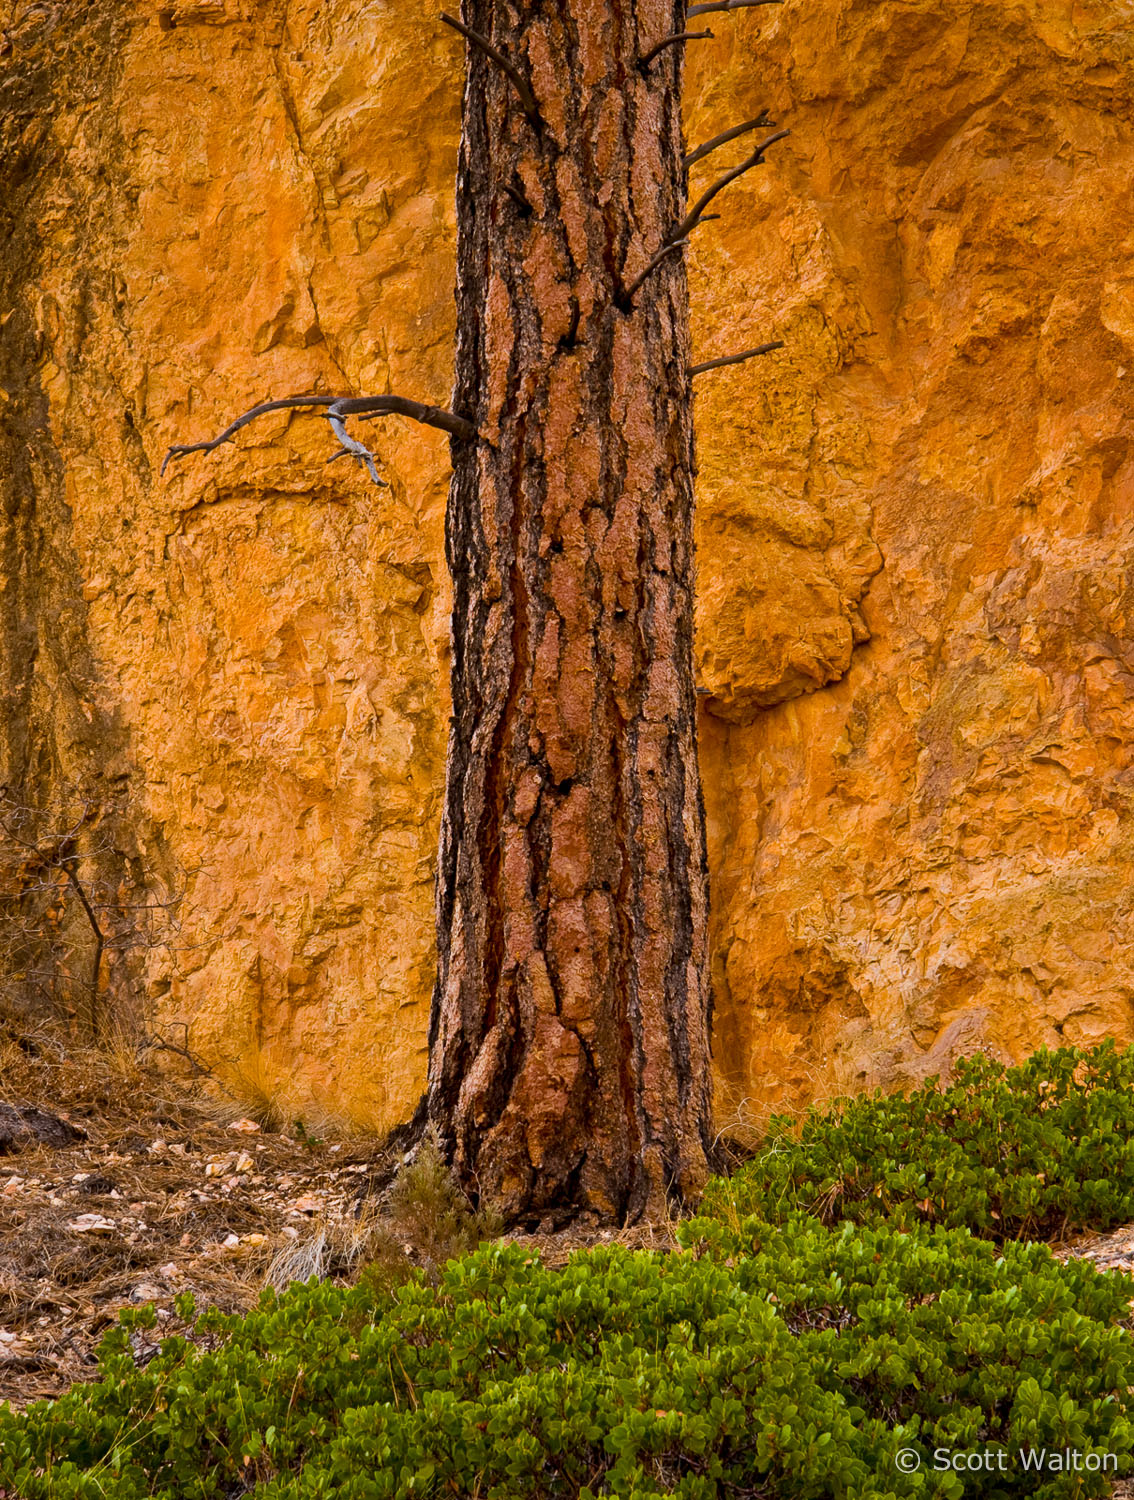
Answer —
63 926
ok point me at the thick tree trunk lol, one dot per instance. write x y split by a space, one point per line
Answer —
569 1058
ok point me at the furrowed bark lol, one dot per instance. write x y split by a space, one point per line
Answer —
569 1052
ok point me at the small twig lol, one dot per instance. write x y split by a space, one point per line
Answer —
358 451
700 10
338 407
693 218
671 41
518 81
625 299
759 123
735 359
97 932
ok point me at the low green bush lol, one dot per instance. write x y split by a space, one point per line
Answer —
795 1361
1034 1151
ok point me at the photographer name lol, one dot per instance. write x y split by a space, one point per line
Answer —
1042 1460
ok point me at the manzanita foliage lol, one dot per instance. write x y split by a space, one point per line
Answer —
794 1360
1036 1151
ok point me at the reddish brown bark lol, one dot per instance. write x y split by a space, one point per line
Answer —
569 1056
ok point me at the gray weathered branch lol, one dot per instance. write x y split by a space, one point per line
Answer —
735 359
759 123
506 66
338 407
695 214
671 41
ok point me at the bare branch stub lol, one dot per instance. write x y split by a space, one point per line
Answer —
696 213
337 408
701 10
625 299
671 41
519 198
506 66
735 359
759 123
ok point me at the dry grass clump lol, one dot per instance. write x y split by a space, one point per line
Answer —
422 1221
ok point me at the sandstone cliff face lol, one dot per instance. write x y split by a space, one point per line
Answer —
916 520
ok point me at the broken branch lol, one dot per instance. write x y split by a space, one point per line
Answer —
508 68
338 407
671 41
759 123
735 359
700 10
625 299
693 218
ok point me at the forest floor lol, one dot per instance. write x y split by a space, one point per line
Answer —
168 1188
171 1189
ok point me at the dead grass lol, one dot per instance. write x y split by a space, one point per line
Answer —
190 1193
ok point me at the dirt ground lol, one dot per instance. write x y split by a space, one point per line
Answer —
171 1187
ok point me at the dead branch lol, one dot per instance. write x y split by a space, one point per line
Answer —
695 214
735 359
700 10
625 299
97 933
338 407
671 41
517 79
759 123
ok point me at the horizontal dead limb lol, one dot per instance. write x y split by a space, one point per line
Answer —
735 359
671 41
700 10
506 66
759 123
696 213
625 299
336 409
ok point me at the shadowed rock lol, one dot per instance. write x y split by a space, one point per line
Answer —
21 1127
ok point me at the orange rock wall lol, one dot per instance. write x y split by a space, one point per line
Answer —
915 616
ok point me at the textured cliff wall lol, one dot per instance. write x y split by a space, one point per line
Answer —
915 523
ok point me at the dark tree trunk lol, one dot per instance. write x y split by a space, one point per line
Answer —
569 1056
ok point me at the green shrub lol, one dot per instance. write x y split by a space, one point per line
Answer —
1036 1151
791 1362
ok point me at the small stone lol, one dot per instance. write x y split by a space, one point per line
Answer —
290 1232
92 1224
255 1239
244 1163
231 1241
247 1127
308 1204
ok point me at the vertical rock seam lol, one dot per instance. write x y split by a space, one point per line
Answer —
569 1052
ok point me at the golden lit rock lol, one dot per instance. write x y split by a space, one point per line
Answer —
916 520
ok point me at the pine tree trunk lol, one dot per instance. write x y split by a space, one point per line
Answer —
569 1056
